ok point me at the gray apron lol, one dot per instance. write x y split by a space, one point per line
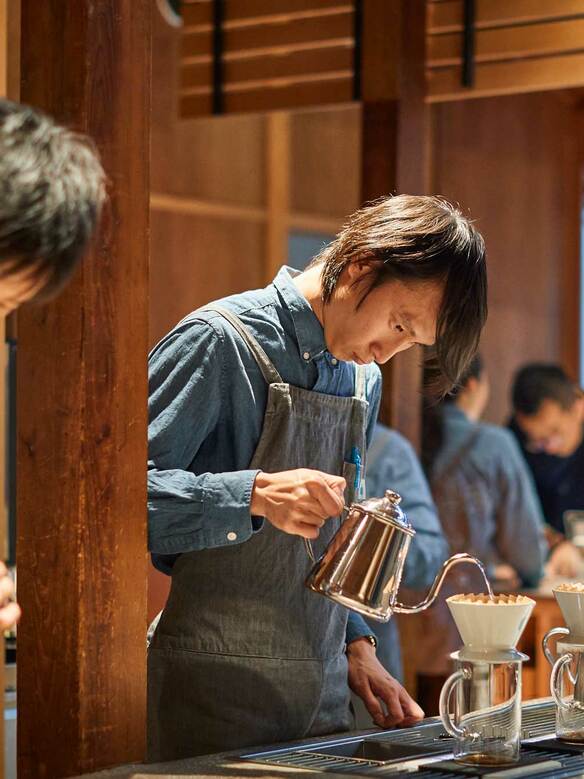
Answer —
244 654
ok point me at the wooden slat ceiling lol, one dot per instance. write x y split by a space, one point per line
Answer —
275 55
286 54
520 46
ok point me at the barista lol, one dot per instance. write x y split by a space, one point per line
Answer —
51 193
260 413
548 421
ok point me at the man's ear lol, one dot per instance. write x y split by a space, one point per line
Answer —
360 267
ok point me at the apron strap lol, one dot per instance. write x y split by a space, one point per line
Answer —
360 384
266 366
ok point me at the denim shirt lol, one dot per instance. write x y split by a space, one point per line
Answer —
506 519
206 410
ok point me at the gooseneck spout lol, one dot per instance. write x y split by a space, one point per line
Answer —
462 557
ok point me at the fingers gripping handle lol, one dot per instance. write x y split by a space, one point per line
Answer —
556 680
308 545
445 695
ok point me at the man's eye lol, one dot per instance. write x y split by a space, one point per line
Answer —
399 329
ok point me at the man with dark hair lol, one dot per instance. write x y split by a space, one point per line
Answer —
261 408
548 420
52 187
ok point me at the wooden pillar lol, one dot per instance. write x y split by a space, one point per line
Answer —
82 395
395 156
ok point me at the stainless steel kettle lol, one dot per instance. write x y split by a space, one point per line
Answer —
363 564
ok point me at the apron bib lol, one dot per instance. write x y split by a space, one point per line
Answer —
244 654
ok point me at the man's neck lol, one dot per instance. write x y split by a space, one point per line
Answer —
468 407
309 284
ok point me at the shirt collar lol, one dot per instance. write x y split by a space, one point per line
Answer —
309 331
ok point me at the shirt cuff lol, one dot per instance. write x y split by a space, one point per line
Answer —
357 627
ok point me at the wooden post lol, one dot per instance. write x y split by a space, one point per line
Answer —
395 156
82 395
277 192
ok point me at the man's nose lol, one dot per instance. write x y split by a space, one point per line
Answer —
384 354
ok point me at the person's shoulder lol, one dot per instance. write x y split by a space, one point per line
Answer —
499 441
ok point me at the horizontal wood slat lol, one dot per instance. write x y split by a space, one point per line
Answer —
504 78
266 66
505 43
266 36
270 98
200 12
447 16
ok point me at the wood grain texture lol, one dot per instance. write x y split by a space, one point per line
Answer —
502 160
395 159
82 392
449 15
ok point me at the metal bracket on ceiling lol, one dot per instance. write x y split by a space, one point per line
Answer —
468 45
218 17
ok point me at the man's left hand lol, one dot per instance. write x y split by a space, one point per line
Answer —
386 700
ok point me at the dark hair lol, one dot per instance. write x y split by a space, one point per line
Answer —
537 382
52 187
421 238
474 370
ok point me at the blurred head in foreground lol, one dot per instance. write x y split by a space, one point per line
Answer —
52 188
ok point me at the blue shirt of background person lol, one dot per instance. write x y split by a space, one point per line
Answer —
392 463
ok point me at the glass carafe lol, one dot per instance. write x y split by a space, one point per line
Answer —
567 689
486 693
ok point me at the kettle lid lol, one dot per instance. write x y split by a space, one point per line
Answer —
387 508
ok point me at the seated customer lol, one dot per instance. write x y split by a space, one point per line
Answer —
487 506
393 464
548 420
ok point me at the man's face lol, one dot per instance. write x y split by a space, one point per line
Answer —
17 287
393 317
554 429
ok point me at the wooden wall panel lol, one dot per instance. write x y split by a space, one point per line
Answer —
513 163
194 263
325 154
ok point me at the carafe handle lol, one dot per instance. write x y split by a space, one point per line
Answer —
544 644
556 680
444 706
308 545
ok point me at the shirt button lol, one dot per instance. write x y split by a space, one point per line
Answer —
306 355
334 361
231 536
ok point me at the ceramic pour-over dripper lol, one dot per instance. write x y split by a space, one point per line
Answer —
570 598
485 623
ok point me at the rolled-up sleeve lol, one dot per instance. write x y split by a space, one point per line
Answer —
188 511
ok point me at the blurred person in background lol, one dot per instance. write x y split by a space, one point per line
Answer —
488 507
392 463
52 188
548 421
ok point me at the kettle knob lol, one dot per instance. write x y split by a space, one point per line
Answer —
393 497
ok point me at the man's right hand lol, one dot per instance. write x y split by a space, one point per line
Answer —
299 501
9 611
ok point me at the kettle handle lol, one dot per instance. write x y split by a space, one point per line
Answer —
308 545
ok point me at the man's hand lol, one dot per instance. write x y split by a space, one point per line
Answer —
9 612
505 576
298 502
386 700
564 561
